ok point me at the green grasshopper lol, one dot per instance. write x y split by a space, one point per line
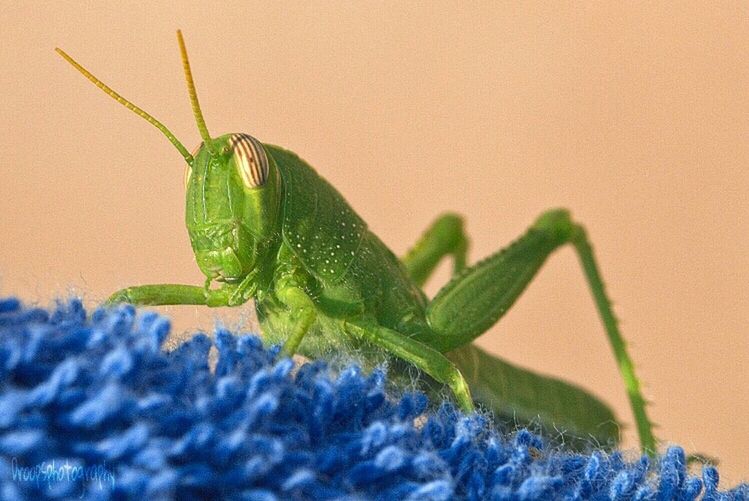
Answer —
265 226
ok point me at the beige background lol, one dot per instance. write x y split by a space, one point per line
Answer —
635 116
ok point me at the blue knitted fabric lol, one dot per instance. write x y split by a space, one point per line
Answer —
91 407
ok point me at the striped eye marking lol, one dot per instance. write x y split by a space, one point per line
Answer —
251 160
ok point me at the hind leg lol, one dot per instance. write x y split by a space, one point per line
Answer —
476 299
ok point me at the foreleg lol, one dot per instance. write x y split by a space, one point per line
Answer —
172 294
160 294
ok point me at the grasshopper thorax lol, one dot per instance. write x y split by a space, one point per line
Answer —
233 195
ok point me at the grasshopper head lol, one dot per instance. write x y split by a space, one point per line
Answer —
233 190
233 194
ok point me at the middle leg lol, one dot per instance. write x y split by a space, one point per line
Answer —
444 237
421 355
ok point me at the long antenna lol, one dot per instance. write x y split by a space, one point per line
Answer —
191 90
130 106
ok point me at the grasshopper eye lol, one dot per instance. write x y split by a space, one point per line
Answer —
250 159
188 170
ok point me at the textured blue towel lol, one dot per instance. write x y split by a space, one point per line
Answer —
91 407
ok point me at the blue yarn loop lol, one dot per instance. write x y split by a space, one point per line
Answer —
92 407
